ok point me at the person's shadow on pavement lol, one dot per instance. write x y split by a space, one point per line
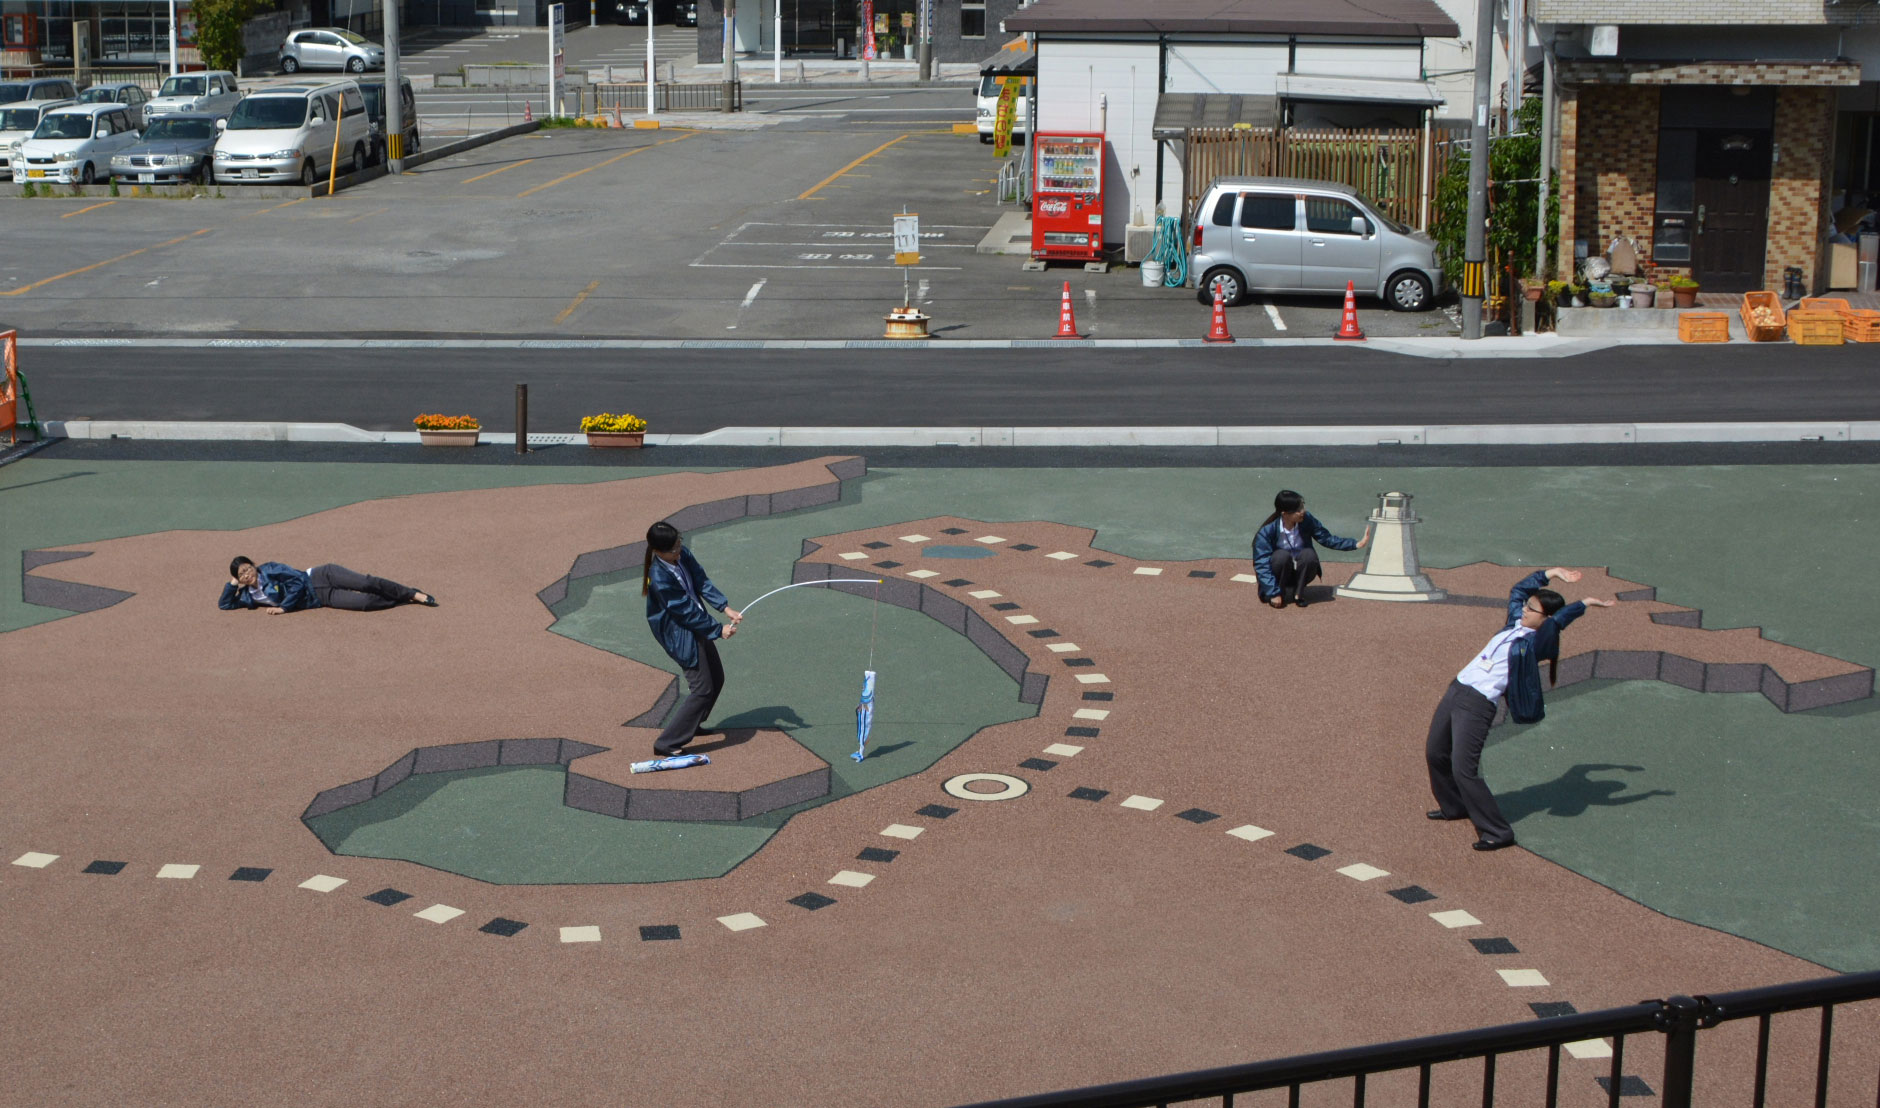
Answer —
1573 792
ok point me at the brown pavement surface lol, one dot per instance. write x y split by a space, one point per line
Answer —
1008 947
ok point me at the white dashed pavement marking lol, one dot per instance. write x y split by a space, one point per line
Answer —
1456 918
580 934
32 859
179 871
902 831
742 921
321 883
851 878
1142 803
1250 833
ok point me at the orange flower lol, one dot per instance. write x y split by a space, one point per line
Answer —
433 422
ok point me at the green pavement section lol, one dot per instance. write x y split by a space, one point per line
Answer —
1763 833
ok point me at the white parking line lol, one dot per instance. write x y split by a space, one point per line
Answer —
1272 313
752 295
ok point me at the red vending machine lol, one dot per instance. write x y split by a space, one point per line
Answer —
1067 197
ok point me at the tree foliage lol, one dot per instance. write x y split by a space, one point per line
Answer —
1514 163
219 29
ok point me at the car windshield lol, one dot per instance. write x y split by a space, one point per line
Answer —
64 127
355 39
98 96
184 86
19 119
375 100
267 113
10 93
1381 212
180 129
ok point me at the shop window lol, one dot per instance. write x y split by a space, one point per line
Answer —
1676 204
972 20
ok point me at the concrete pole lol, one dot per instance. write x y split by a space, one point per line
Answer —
1475 245
172 38
925 50
1547 158
731 52
1517 57
651 62
776 42
394 95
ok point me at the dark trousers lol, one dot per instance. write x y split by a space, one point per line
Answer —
706 680
1454 752
339 587
1295 569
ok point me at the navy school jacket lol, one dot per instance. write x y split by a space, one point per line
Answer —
290 588
1266 540
1525 704
675 619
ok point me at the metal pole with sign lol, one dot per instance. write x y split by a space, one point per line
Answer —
557 29
907 321
394 94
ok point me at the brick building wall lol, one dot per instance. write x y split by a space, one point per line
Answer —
1798 185
1608 168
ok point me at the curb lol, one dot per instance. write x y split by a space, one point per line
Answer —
1511 434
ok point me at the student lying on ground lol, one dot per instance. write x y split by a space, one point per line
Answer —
278 588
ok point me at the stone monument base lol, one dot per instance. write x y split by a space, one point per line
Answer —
1377 586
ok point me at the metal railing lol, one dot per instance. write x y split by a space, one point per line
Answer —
150 79
670 97
1678 1020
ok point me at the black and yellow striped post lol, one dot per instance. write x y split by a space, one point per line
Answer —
1473 283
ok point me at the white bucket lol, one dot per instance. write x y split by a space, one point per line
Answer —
1152 273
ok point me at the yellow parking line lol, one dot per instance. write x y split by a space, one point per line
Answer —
278 207
602 165
368 215
494 172
825 181
107 261
576 302
93 208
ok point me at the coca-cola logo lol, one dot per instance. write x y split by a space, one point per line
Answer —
1054 207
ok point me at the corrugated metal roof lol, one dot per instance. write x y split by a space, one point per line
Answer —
1176 112
1294 86
1420 18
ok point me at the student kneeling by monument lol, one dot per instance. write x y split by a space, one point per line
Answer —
278 588
1510 664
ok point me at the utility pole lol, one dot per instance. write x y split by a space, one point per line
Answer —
731 54
925 52
1475 245
394 94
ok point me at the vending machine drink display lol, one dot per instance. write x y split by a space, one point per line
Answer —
1067 197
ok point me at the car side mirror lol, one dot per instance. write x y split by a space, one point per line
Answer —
221 125
1360 225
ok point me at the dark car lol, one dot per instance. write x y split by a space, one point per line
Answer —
375 112
174 149
679 13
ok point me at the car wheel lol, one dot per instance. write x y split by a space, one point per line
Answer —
86 175
308 173
359 156
355 65
1228 281
290 64
1409 292
205 175
985 140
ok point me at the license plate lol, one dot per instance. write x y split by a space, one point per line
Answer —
146 176
35 173
250 172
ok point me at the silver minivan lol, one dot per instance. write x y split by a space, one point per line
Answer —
286 133
1282 234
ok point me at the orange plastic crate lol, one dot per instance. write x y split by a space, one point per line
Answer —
1823 304
1815 328
1860 325
1763 332
1703 327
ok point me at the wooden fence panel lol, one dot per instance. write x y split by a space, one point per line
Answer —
1387 165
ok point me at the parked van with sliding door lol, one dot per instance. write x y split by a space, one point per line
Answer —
988 108
1279 234
287 134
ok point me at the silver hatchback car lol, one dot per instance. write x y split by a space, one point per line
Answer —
330 48
1282 234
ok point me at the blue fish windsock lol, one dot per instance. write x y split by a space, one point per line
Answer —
864 715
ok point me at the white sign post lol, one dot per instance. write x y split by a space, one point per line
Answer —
906 248
557 73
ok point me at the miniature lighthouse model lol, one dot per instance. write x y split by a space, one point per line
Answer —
1390 568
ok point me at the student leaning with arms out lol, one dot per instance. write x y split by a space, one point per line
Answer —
1283 555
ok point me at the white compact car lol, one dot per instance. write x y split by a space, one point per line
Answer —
73 145
18 121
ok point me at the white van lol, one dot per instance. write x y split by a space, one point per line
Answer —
18 121
287 134
73 145
989 108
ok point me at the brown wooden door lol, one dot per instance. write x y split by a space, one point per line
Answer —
1733 210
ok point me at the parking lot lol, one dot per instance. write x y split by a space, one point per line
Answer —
671 233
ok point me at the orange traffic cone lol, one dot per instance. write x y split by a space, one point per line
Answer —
1217 330
1067 323
1348 331
528 112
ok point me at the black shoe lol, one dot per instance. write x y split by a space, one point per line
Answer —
429 601
1484 844
1300 601
1438 814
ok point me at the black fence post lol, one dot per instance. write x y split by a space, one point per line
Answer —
522 419
1678 1020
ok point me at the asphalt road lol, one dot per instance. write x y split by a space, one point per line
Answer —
692 391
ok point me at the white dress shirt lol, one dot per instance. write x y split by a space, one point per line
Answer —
1487 672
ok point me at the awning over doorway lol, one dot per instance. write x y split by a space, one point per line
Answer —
1374 90
1176 113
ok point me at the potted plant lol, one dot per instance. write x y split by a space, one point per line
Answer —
608 429
1643 294
1559 294
1533 287
1579 295
448 430
1684 291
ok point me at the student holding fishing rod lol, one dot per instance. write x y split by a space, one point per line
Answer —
677 591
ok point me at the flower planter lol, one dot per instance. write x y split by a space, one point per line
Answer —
1684 298
1643 298
449 438
627 439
